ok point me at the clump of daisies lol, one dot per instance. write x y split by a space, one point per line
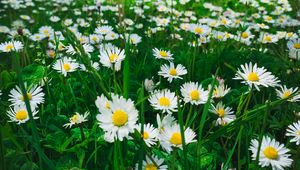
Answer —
11 46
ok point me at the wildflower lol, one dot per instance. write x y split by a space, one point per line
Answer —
194 93
150 134
162 54
11 46
294 131
19 114
224 113
256 76
164 100
112 57
171 137
171 72
65 65
34 95
294 48
148 164
77 119
120 120
271 153
285 92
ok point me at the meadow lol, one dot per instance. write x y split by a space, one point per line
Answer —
149 84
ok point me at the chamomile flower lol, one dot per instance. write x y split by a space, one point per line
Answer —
150 134
112 57
285 92
102 103
294 131
194 93
148 164
19 114
245 37
171 137
268 38
77 119
171 72
103 30
87 48
271 153
162 54
95 38
256 76
167 120
294 48
120 120
35 96
65 65
47 31
220 91
164 100
225 114
11 46
202 30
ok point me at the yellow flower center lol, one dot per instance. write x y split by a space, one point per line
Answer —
297 45
150 167
146 135
176 139
268 38
219 37
163 54
268 18
51 53
224 21
298 132
113 57
270 152
198 30
286 94
253 77
245 35
29 96
119 118
163 101
107 105
67 67
94 38
173 72
195 95
289 34
74 118
21 115
9 47
221 112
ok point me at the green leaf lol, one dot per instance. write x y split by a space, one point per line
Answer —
33 73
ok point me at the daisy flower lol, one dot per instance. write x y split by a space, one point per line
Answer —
11 46
77 119
164 100
201 30
194 93
19 114
171 137
171 72
268 38
256 76
35 96
168 120
220 91
103 30
120 120
225 114
95 38
271 153
47 31
112 57
162 54
65 65
294 48
150 134
285 92
87 48
294 131
148 164
102 103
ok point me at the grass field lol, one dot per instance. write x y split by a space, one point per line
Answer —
149 84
